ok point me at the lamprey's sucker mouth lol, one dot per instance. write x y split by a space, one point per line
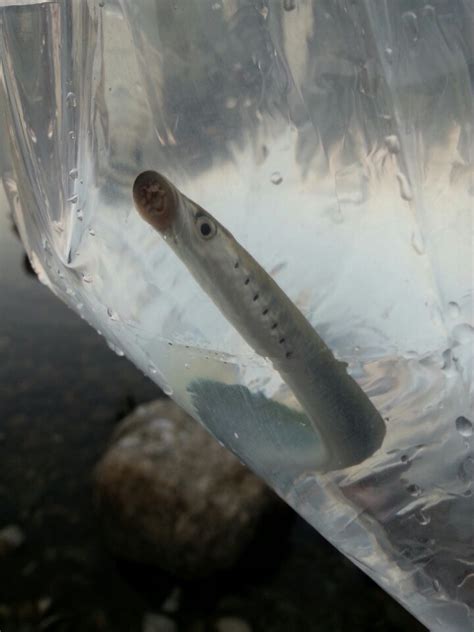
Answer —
155 200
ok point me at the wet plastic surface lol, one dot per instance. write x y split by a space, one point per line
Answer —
334 141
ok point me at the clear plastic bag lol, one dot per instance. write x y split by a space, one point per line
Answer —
334 140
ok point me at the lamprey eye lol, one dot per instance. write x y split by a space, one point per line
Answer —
205 226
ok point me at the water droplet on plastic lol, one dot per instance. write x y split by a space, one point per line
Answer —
423 518
261 154
289 5
417 243
50 130
73 199
466 469
404 458
393 144
39 271
71 100
101 4
453 310
72 136
187 365
436 585
91 232
116 349
389 54
411 24
32 135
405 188
153 369
230 103
87 278
70 292
276 178
464 426
58 226
236 435
73 174
112 315
429 10
79 214
413 490
447 360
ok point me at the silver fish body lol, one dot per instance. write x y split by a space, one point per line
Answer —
350 427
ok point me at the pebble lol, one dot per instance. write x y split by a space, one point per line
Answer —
158 623
171 603
232 624
11 537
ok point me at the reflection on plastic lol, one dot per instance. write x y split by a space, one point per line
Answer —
334 140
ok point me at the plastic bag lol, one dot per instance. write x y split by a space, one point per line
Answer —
334 140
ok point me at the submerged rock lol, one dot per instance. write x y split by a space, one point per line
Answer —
168 494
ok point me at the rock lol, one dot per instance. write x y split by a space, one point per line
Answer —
168 494
11 537
232 624
44 604
171 603
158 623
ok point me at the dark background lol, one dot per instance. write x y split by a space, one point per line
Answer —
62 391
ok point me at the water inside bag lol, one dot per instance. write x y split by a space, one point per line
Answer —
334 140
